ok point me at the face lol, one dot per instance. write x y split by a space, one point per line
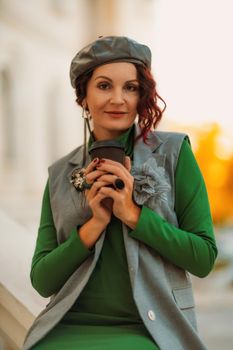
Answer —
112 99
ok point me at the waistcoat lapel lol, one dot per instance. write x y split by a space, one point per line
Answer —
142 153
82 209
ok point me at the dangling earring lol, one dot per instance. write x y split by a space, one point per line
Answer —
86 117
86 113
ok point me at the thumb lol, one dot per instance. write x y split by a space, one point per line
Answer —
127 163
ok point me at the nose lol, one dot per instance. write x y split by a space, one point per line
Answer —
117 96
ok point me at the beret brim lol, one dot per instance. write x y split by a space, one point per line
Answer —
106 50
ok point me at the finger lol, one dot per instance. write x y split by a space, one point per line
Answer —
91 166
111 162
108 178
127 163
97 185
112 167
108 192
99 197
111 179
119 172
96 202
92 176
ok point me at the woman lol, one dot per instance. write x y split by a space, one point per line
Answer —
119 276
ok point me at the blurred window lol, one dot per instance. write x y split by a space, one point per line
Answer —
8 142
52 120
63 8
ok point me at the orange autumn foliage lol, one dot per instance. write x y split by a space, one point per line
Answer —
218 174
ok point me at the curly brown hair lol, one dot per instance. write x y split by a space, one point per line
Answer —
149 111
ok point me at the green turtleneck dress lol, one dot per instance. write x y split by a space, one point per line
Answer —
105 316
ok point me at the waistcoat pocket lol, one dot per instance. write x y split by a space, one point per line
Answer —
184 297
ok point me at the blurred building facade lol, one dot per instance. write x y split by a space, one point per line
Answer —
37 108
39 120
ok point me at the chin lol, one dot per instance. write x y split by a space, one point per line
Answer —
121 126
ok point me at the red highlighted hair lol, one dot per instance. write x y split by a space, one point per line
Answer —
149 111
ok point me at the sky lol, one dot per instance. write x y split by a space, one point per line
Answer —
193 61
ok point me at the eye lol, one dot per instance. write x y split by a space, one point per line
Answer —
132 87
104 85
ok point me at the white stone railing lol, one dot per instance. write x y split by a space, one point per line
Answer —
19 303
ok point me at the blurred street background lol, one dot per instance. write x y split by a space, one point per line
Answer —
40 122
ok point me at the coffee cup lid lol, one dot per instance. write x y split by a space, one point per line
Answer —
107 143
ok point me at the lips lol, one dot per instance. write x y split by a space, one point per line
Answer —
115 112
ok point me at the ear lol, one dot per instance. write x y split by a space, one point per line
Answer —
84 104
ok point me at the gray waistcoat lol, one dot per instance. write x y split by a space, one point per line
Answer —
162 291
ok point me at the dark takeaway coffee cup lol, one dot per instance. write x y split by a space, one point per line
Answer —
110 149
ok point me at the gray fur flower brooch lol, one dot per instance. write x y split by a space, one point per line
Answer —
150 183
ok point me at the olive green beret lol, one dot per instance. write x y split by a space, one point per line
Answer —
108 49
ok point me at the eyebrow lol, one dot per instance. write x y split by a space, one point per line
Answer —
109 79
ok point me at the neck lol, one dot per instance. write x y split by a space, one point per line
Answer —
108 135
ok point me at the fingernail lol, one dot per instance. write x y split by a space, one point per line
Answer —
102 160
95 160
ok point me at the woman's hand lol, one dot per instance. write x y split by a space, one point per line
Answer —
101 216
93 195
124 207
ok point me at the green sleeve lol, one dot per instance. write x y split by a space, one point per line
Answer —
192 245
53 264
